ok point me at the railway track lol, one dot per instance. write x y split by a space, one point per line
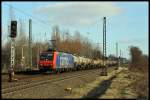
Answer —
30 76
25 85
35 78
20 86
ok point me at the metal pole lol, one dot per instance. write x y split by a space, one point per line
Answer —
105 73
38 57
120 58
22 52
12 56
12 62
104 69
30 43
117 55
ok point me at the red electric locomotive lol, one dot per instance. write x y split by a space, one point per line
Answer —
55 61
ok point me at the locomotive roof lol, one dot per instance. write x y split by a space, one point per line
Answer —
56 51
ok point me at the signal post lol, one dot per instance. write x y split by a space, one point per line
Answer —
13 34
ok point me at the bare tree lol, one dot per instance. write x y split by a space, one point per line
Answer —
138 60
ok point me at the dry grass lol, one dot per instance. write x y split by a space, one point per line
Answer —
120 87
84 89
126 85
141 85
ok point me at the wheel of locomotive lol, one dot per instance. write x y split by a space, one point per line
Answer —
40 70
58 71
54 71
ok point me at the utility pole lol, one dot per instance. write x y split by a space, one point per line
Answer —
38 52
117 56
30 43
104 68
120 58
23 58
11 68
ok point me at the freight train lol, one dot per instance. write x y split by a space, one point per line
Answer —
57 61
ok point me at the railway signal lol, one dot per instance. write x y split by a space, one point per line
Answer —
13 32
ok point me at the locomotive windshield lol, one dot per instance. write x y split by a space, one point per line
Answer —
48 56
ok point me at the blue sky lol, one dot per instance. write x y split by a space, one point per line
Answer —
127 22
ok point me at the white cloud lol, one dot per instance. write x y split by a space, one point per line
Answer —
77 13
134 40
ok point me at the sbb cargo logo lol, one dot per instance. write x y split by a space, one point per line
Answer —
63 62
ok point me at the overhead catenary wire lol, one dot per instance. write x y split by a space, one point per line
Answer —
38 20
27 14
35 19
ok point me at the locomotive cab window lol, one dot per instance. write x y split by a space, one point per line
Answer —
46 56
